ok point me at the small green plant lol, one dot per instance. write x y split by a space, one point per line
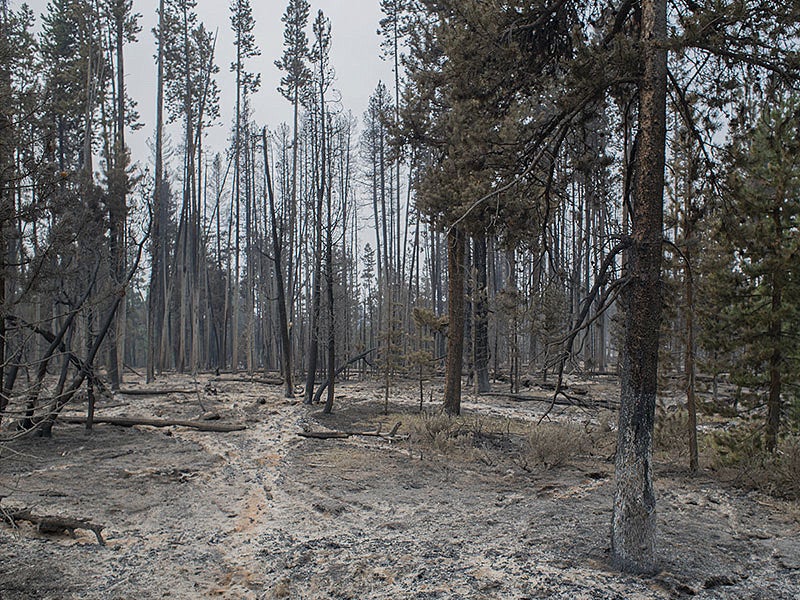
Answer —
672 431
740 451
793 413
788 467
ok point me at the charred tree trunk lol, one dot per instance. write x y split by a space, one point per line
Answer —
331 349
237 192
331 353
481 316
157 294
689 358
6 192
313 347
286 344
776 356
455 329
689 368
118 188
290 268
633 529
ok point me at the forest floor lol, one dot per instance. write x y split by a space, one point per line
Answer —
463 509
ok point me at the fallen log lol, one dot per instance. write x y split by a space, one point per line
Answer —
328 435
247 380
518 397
53 524
578 391
132 421
325 435
162 392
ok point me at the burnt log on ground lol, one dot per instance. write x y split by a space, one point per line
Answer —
52 523
334 435
133 421
261 380
162 392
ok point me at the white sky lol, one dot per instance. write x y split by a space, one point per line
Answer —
355 56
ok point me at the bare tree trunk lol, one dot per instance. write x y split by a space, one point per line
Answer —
513 354
633 529
290 277
249 235
378 243
237 192
226 313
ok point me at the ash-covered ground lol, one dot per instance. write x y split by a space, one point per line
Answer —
429 513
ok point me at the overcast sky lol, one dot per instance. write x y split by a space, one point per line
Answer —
355 56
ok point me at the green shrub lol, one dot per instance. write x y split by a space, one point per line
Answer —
787 468
737 445
671 432
740 451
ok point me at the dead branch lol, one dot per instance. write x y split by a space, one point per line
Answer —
53 524
55 343
328 435
325 435
66 397
131 369
133 421
50 337
340 370
563 399
581 322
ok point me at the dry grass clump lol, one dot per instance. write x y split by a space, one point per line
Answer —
555 444
437 432
282 589
469 438
493 440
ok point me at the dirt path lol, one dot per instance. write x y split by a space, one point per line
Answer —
263 513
